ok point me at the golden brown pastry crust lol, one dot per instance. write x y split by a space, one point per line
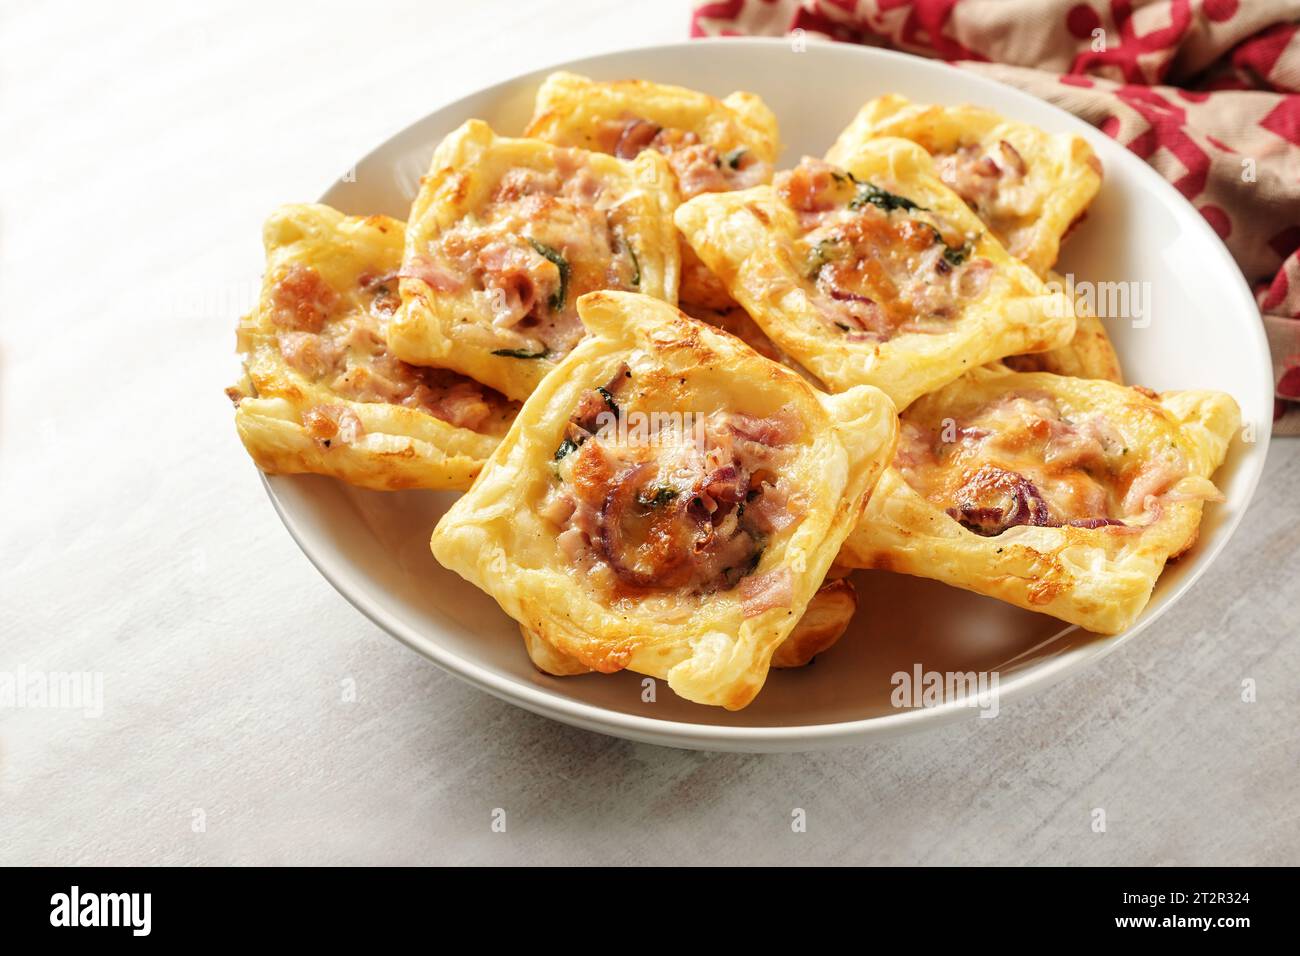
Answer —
573 110
1062 173
828 616
738 322
399 447
570 109
1089 354
706 647
747 239
549 659
823 623
446 327
1098 578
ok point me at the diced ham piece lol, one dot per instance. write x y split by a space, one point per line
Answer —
698 170
636 136
763 592
558 509
363 337
1155 477
591 406
379 381
973 279
462 404
1073 447
312 355
522 181
583 186
586 519
812 186
698 166
722 486
1011 159
513 275
572 543
914 447
975 175
780 429
302 300
772 510
443 394
436 278
333 423
751 173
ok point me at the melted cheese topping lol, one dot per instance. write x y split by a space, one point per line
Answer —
880 264
1019 460
670 501
699 167
335 337
991 178
544 239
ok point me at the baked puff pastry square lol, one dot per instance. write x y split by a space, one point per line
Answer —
1089 354
321 393
823 623
506 234
712 145
668 501
1057 494
1027 185
874 273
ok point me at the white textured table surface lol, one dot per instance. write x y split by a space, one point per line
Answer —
142 147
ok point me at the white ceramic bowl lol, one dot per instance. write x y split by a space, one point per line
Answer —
1205 333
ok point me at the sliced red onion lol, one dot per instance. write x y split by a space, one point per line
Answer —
1093 523
623 495
1026 506
839 295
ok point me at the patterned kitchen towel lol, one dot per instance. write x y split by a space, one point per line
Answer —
1206 91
